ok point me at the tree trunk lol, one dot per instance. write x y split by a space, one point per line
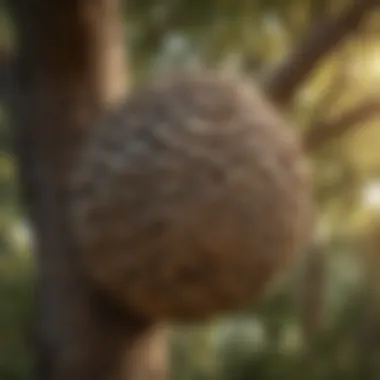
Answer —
68 71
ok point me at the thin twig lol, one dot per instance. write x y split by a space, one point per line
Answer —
323 132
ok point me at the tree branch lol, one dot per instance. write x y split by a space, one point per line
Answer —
322 133
282 83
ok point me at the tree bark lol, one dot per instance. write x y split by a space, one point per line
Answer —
284 80
68 70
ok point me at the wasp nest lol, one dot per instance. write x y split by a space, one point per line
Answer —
189 198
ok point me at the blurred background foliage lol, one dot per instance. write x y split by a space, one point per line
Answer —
322 320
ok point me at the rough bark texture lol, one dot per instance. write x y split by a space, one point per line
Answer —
68 55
